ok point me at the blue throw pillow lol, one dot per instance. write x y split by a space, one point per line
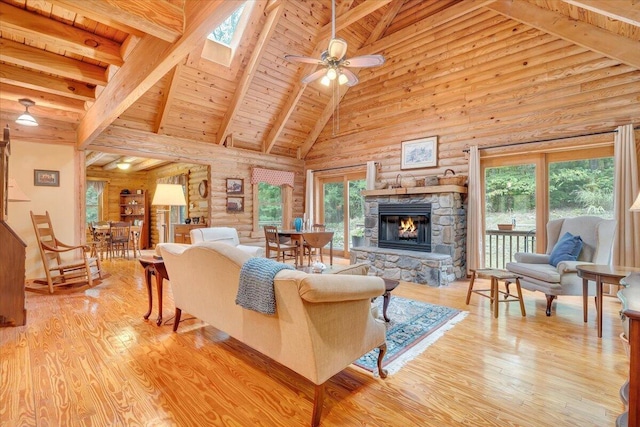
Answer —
567 249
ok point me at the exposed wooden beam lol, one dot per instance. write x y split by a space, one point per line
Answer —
385 21
249 72
92 157
620 10
165 106
147 164
42 99
427 24
151 59
357 13
37 81
45 31
158 18
37 59
586 35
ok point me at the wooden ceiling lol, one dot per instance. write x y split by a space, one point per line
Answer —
133 70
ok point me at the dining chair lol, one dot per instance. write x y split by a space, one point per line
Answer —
101 233
318 240
136 231
272 243
120 236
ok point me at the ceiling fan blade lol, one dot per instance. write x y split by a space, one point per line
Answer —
352 79
305 59
314 76
364 61
337 48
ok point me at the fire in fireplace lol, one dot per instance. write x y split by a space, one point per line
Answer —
405 226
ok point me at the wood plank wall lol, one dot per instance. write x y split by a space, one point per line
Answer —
481 79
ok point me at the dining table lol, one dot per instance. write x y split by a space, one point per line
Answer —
296 236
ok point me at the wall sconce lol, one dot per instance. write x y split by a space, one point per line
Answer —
25 118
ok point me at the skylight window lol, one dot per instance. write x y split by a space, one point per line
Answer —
224 32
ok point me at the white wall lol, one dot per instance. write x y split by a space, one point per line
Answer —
59 201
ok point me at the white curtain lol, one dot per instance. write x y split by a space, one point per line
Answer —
475 238
98 186
371 175
308 199
626 246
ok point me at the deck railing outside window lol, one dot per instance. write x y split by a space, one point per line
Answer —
501 245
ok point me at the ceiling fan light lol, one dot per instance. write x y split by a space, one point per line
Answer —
332 73
337 48
342 79
325 81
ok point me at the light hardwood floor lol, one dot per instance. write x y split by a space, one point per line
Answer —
89 359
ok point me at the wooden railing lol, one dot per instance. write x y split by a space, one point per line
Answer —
501 245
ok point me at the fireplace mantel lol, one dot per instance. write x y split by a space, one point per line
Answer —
416 190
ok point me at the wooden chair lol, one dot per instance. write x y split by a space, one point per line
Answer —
81 272
136 231
120 236
101 233
272 243
318 240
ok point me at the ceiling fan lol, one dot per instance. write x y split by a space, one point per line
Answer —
335 63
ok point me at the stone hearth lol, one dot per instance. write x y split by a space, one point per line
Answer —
447 259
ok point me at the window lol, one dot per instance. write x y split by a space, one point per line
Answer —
269 205
222 42
94 201
525 191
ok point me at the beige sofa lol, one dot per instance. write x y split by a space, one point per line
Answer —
226 235
323 322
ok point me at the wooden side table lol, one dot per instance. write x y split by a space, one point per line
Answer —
600 273
154 266
494 292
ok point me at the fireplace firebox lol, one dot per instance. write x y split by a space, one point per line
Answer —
405 226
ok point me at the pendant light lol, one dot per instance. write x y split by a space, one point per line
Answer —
25 118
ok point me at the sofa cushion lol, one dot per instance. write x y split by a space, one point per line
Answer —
567 249
360 269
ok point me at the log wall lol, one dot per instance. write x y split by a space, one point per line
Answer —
478 80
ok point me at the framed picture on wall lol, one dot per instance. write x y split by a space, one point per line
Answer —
44 178
420 153
235 204
235 186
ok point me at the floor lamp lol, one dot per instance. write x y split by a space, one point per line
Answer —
168 195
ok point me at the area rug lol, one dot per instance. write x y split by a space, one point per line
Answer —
414 326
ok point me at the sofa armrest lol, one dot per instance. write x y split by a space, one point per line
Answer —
318 288
530 258
173 248
256 251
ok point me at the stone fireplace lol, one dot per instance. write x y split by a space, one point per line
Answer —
415 234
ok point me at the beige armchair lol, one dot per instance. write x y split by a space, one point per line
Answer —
537 274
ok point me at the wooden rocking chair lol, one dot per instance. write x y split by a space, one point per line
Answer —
80 273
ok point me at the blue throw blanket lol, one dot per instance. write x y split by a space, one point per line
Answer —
255 291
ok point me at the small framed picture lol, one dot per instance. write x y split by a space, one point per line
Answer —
420 153
46 178
235 186
235 204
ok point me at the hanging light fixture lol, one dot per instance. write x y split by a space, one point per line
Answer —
25 118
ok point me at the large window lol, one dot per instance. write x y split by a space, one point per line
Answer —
269 205
527 190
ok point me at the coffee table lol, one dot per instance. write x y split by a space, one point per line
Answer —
389 285
600 273
154 266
